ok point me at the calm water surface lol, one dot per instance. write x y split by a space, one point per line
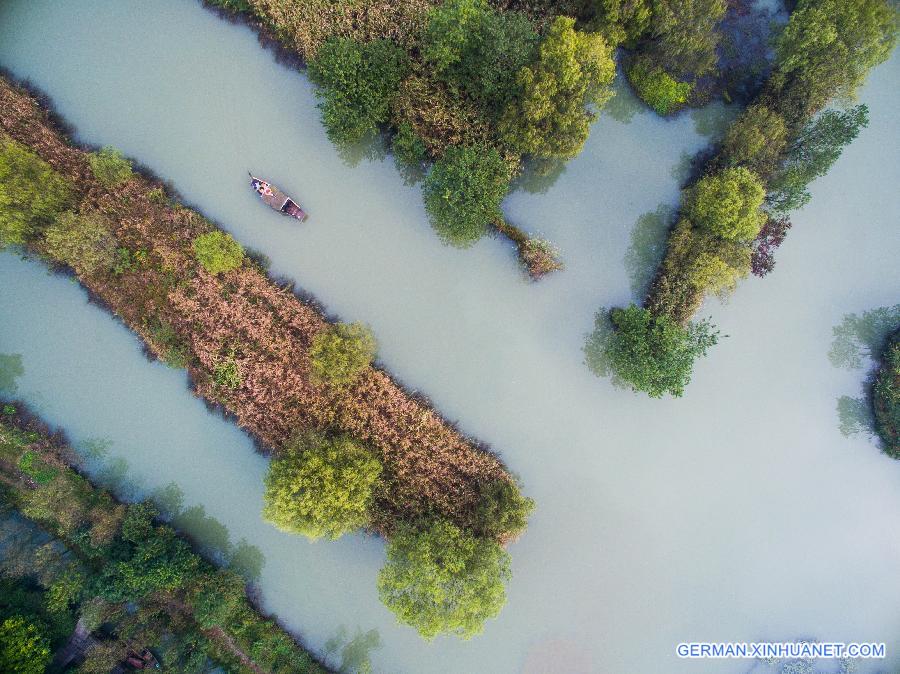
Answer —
737 513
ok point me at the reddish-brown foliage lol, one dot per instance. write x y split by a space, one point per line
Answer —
428 466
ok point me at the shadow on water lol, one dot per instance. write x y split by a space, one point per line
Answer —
355 653
683 168
712 120
857 339
11 368
648 244
374 147
855 417
95 449
211 537
624 105
539 175
862 336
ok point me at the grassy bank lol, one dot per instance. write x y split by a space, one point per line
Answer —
735 213
251 347
120 574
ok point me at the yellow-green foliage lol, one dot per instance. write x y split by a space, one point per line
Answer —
218 252
439 579
321 486
657 88
24 646
727 204
549 118
32 194
82 241
340 353
306 25
828 47
110 166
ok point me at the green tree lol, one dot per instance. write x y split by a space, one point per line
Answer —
656 87
727 204
357 82
216 597
463 192
148 558
341 352
649 353
628 19
440 579
828 47
685 35
479 50
218 252
321 486
813 154
82 241
755 140
549 117
32 194
110 166
408 147
502 511
24 646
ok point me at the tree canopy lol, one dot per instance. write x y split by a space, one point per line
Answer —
32 194
440 579
828 47
478 49
218 252
649 353
463 192
755 140
24 646
549 117
339 353
727 204
321 486
685 35
357 82
502 511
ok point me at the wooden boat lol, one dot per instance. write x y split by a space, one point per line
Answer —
276 199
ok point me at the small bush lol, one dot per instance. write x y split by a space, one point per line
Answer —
341 352
227 374
110 166
463 192
218 252
648 353
174 350
320 486
82 241
657 88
